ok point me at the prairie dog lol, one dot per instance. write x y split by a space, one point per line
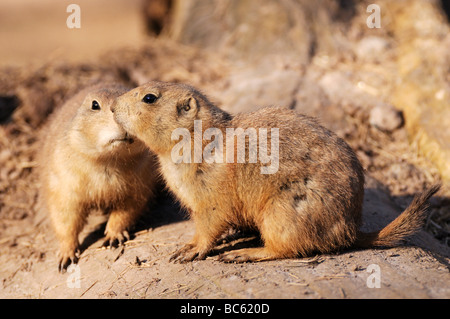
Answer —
87 161
311 203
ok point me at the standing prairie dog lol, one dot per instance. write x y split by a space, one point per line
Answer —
87 161
311 203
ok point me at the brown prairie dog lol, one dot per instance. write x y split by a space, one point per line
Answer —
311 203
87 162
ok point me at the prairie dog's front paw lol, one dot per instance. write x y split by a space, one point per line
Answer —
115 239
189 252
67 257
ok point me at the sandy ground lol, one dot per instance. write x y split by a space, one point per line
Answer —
141 269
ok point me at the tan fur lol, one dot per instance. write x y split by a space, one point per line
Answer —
311 204
87 161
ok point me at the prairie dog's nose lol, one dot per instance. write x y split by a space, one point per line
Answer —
112 108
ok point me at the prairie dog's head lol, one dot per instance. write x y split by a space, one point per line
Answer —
94 131
154 110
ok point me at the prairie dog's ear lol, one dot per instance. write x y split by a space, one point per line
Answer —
188 107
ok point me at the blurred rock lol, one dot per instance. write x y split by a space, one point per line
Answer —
422 93
249 91
313 99
249 30
340 88
372 48
386 118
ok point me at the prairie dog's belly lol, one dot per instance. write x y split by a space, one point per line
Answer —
88 183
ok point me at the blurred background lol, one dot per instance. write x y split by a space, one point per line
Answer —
36 31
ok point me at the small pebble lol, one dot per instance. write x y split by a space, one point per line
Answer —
386 118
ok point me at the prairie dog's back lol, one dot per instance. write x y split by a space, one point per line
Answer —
305 147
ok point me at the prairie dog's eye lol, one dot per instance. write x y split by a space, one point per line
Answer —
150 98
186 108
95 106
